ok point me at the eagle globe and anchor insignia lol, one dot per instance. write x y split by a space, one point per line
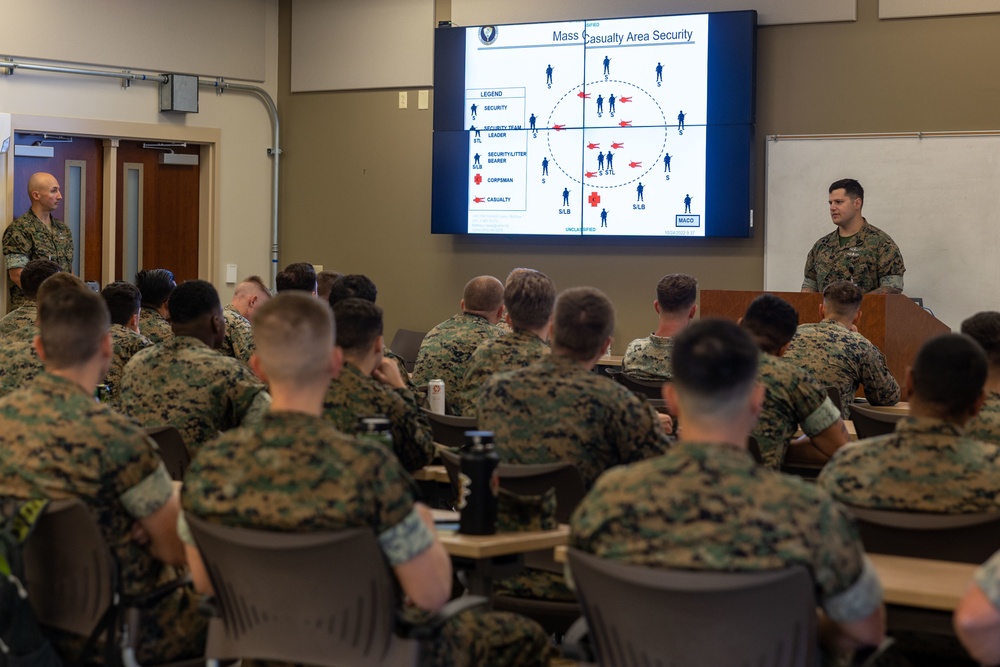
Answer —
488 34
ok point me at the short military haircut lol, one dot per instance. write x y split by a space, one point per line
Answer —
34 274
299 276
984 328
294 335
252 284
58 282
842 297
193 299
483 294
516 272
324 281
123 301
584 319
359 323
850 186
71 323
714 366
676 292
772 321
949 372
156 286
529 297
352 286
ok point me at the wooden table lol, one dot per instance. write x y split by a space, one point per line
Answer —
501 555
432 473
909 582
613 360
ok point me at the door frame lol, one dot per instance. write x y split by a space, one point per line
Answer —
207 138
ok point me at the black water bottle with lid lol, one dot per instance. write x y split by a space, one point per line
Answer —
479 484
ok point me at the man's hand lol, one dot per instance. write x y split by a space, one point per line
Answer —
387 372
666 422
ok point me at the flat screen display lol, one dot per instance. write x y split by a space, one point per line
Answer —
612 127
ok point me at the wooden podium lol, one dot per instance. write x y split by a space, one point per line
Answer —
893 322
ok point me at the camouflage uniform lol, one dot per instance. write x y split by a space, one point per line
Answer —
354 394
106 461
553 411
184 383
446 349
927 465
238 342
985 426
19 324
125 343
793 398
987 578
710 507
401 365
870 260
514 350
154 326
28 238
295 472
648 358
19 363
839 357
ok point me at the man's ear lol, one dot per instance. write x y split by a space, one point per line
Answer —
336 361
39 348
257 369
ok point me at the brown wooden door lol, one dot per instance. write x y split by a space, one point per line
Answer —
169 210
78 165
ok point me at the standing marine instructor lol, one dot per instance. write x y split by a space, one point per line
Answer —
37 235
856 251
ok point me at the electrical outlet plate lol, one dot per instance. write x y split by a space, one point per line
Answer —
423 99
402 99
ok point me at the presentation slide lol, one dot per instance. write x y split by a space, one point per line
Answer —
600 123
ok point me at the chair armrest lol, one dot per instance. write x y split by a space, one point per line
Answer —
430 627
576 642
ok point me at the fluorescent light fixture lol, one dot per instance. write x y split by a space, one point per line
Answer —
21 150
179 159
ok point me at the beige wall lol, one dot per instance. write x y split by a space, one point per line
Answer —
356 172
244 174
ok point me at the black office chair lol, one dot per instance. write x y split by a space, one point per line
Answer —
869 422
640 615
965 538
449 430
642 388
406 344
834 395
173 450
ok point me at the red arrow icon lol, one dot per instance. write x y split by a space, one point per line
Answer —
634 164
583 96
626 123
479 200
593 146
558 127
590 174
623 100
617 145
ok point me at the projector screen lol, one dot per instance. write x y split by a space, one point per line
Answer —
618 127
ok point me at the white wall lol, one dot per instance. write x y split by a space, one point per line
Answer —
244 187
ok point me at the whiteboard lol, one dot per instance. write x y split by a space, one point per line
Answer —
769 12
937 195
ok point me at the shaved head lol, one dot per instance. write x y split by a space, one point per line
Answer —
41 181
483 294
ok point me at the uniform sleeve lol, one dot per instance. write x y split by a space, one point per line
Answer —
813 408
136 472
250 399
402 534
243 344
890 265
411 432
810 281
881 387
636 429
987 578
17 247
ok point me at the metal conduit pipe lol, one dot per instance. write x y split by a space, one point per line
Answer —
220 85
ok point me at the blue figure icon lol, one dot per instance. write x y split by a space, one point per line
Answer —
607 67
600 105
609 161
531 123
611 104
638 191
548 76
666 163
565 196
473 128
659 74
600 161
545 166
475 160
687 203
604 217
680 122
473 109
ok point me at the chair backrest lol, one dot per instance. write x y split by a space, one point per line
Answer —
642 388
834 394
449 430
869 423
173 450
406 344
966 538
532 480
754 448
70 574
324 598
642 616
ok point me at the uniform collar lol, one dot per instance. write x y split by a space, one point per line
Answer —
927 425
